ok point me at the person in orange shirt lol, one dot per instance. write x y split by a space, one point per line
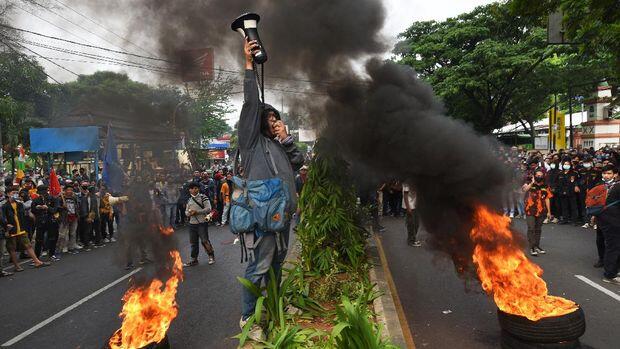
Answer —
17 239
225 195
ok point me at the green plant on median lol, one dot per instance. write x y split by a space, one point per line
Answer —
354 328
330 232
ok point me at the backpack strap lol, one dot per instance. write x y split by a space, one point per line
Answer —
273 163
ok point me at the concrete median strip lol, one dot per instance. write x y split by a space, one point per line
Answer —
68 309
388 308
599 287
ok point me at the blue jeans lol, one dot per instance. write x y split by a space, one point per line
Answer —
266 256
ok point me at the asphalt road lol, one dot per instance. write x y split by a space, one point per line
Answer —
444 311
209 299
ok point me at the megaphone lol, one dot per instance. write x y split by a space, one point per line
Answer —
247 26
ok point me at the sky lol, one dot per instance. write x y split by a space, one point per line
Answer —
400 14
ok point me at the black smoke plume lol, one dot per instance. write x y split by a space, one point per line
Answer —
380 116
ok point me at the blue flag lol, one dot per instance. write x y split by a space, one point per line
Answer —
112 172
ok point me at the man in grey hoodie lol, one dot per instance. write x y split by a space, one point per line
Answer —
266 151
197 210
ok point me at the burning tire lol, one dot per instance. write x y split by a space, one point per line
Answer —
510 342
556 330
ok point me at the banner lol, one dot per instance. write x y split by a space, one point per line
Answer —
557 129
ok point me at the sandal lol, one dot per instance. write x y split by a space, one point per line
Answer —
19 269
43 264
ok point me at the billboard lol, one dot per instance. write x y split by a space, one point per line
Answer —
196 64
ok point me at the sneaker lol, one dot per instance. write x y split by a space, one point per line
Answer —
256 332
65 250
415 244
512 215
44 253
54 258
555 220
595 227
381 229
112 239
236 241
79 247
598 264
540 250
615 281
106 240
129 266
533 252
546 221
211 260
191 263
99 245
586 226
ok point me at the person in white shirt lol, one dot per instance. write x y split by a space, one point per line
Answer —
412 221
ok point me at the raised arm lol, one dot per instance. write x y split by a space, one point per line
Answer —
249 120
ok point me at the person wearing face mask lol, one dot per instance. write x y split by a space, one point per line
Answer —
567 190
551 178
16 236
45 209
609 225
589 176
537 208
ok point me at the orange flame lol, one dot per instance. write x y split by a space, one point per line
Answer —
148 311
506 273
166 230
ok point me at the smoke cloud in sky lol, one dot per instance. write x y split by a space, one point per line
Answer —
384 120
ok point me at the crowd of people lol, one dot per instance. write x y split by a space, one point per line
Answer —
563 188
41 224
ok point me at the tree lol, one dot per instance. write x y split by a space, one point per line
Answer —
476 61
593 24
205 116
24 98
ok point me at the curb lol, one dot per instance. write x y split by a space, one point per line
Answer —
388 309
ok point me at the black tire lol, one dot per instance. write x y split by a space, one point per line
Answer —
510 342
556 329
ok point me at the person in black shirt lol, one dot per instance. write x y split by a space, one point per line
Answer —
589 176
609 223
552 180
567 189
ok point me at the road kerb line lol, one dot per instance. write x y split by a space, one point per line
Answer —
599 287
67 309
20 264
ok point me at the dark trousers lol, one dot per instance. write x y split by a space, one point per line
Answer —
612 250
412 222
534 230
600 244
581 205
180 217
199 232
52 238
82 232
40 232
569 208
555 207
106 226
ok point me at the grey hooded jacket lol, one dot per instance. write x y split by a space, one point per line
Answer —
255 148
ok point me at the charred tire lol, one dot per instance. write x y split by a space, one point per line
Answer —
556 329
510 342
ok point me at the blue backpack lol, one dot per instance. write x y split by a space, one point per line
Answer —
259 205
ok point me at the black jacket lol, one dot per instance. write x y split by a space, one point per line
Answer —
42 215
89 204
609 219
566 183
9 216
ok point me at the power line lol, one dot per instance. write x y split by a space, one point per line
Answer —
75 24
103 27
85 45
54 63
50 23
29 62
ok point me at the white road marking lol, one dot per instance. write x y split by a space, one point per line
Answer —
20 264
599 287
68 309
